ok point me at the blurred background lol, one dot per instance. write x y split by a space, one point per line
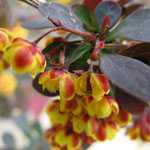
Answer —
22 115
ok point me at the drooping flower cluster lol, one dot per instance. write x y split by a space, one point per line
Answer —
21 55
141 127
84 113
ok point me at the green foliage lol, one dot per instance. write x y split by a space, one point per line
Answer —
87 17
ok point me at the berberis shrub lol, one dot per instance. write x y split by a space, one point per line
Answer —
98 68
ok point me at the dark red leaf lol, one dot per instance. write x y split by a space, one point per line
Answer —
109 9
91 4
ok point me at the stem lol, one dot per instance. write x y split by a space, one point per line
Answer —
58 25
76 32
62 58
36 1
45 34
116 46
31 3
86 35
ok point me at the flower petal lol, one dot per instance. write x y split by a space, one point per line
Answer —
100 86
67 87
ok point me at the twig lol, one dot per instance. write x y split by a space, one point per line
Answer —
83 34
58 25
45 34
30 3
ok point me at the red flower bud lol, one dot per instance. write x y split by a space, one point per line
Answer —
25 57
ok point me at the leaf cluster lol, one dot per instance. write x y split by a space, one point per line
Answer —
125 30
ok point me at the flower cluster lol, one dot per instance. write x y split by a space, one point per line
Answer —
21 55
141 127
85 112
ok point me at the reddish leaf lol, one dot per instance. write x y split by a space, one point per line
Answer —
91 4
109 9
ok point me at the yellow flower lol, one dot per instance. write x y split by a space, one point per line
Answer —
123 118
72 106
65 2
111 130
100 86
103 108
67 87
134 131
5 39
50 80
100 109
101 132
89 105
91 83
3 64
73 142
79 124
92 126
25 57
8 83
60 138
18 31
55 116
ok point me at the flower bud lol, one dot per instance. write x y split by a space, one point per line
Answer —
73 142
56 117
78 124
145 124
141 127
114 105
101 133
25 57
134 131
50 80
5 38
18 31
60 138
91 129
111 129
3 64
123 118
103 108
73 106
67 87
8 83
